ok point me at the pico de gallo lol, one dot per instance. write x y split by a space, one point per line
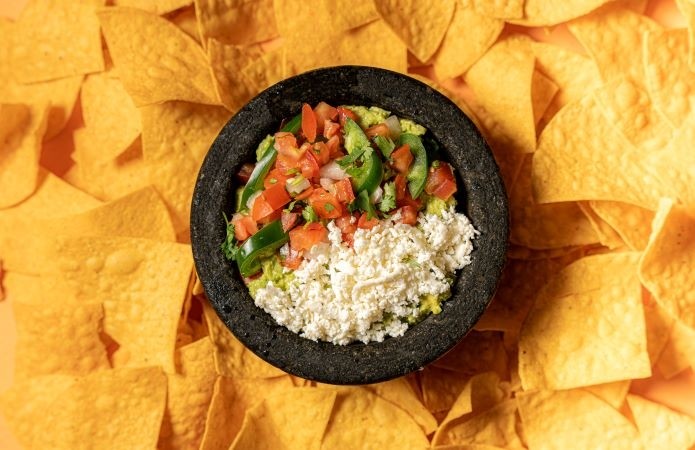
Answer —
353 165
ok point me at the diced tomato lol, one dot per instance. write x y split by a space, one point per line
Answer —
286 165
377 130
276 196
330 129
244 227
365 223
347 228
321 152
325 204
309 166
304 194
343 191
261 209
333 145
272 217
293 259
308 123
275 176
408 215
324 112
343 113
401 186
245 173
303 238
441 182
289 220
402 159
286 144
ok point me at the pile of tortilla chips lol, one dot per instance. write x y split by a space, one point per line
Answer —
107 111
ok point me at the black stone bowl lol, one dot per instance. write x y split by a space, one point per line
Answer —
481 197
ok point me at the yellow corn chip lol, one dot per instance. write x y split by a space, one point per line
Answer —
110 116
543 226
236 22
499 9
543 91
142 321
581 156
389 426
660 427
469 36
68 44
55 338
21 131
666 268
679 352
669 78
612 35
176 136
226 62
232 358
421 26
598 292
510 121
231 398
687 8
550 12
104 404
154 6
266 70
187 22
299 429
606 234
400 393
612 393
675 164
189 393
632 223
574 419
155 60
298 20
440 389
659 327
479 351
496 426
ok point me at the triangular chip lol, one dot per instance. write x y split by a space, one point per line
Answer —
226 62
612 393
607 236
154 6
687 8
660 427
400 393
551 12
236 22
496 426
297 19
631 222
679 352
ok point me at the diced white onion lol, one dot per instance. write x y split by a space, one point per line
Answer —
297 184
333 171
376 195
326 183
252 199
394 126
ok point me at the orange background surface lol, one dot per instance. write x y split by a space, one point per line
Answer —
677 393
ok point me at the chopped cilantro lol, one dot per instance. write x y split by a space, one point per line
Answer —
229 246
328 207
309 214
388 199
385 144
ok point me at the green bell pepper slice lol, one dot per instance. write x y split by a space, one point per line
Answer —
417 175
259 173
259 246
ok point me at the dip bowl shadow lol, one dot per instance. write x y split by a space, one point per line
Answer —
481 197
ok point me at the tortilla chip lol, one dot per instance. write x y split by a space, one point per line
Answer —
189 393
574 418
679 352
21 132
400 393
421 26
543 90
187 22
669 78
612 35
612 393
107 269
549 12
154 6
666 267
504 9
236 22
300 429
606 234
543 226
159 64
581 156
103 403
510 121
297 20
53 338
175 138
111 119
598 292
631 222
232 358
389 426
68 44
226 62
660 427
687 8
373 44
479 351
441 388
496 426
231 398
659 327
469 36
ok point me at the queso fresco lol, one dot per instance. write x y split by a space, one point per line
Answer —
345 229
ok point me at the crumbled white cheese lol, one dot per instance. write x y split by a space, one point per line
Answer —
341 294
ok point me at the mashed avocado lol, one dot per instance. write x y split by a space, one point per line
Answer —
408 126
367 117
265 145
432 303
435 205
272 271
